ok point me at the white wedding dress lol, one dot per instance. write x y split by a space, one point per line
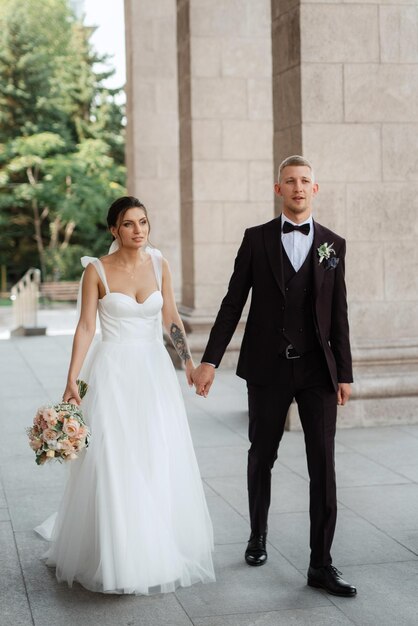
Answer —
133 518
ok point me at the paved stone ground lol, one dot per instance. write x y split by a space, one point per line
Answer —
376 543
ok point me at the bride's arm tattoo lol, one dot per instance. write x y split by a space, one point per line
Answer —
179 341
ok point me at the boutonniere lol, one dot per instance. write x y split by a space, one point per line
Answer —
325 253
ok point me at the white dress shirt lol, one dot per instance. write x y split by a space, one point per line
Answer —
297 245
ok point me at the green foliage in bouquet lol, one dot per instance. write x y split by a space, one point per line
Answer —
82 388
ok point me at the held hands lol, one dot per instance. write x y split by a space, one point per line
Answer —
203 377
343 394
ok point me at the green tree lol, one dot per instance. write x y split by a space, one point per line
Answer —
62 140
34 44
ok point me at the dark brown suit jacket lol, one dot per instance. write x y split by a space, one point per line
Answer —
259 266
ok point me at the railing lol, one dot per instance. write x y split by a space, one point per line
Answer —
24 295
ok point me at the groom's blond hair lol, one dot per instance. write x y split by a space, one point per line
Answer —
295 159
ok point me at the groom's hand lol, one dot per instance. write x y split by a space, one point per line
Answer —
343 394
203 377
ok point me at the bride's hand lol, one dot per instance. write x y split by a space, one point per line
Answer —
190 368
71 393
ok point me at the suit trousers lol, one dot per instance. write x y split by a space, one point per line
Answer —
307 380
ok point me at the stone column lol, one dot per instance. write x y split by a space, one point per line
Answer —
286 82
226 148
356 71
152 139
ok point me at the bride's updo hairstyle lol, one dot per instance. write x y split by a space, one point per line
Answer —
119 207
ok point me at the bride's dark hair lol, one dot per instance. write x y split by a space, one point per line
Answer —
119 207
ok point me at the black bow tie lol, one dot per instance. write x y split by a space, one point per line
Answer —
304 229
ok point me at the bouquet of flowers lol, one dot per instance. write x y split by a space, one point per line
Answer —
59 431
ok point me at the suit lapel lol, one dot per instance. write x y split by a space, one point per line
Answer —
318 271
272 241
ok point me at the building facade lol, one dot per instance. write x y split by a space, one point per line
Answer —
220 91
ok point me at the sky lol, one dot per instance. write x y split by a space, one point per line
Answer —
108 16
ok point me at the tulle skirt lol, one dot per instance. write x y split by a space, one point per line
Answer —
133 518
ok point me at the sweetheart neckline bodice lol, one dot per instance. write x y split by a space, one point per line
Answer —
120 293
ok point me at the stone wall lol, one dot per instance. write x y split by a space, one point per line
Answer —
359 82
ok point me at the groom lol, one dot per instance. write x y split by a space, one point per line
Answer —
296 345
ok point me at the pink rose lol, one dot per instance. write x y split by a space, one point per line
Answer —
78 444
66 446
61 415
71 427
35 444
82 432
50 416
50 435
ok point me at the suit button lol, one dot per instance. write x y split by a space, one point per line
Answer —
301 330
283 330
287 289
283 308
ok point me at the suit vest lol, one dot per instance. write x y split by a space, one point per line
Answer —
298 327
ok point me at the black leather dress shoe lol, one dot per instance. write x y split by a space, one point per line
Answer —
329 578
256 553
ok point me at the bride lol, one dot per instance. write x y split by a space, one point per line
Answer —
133 518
